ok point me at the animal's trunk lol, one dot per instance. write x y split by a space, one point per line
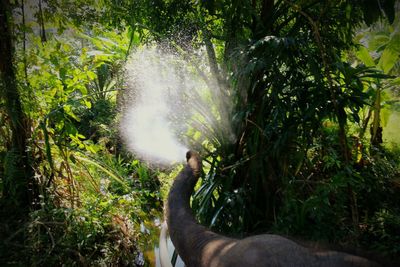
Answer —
199 247
190 239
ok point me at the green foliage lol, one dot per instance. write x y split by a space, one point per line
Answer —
318 201
287 82
91 200
95 122
305 94
102 231
384 233
296 167
95 220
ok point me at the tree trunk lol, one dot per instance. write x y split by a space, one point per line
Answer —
24 41
41 21
18 180
376 129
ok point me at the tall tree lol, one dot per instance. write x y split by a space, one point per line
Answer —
18 181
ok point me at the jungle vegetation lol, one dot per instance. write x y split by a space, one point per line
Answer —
315 88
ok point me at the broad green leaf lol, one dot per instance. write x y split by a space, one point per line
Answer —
68 111
88 104
396 81
378 41
52 92
395 41
388 59
385 115
91 75
91 148
66 47
82 88
365 57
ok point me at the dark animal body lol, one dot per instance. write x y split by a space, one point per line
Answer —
200 247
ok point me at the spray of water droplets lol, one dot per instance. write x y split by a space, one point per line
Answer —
170 104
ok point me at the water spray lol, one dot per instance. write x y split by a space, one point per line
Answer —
171 104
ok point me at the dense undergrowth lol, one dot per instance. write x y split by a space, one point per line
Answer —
93 203
97 211
351 206
354 206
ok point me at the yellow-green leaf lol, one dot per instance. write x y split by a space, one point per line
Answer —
388 59
365 57
91 75
88 104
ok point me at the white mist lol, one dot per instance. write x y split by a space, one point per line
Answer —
168 97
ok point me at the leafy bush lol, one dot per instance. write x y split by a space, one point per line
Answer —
102 231
351 205
382 232
99 221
